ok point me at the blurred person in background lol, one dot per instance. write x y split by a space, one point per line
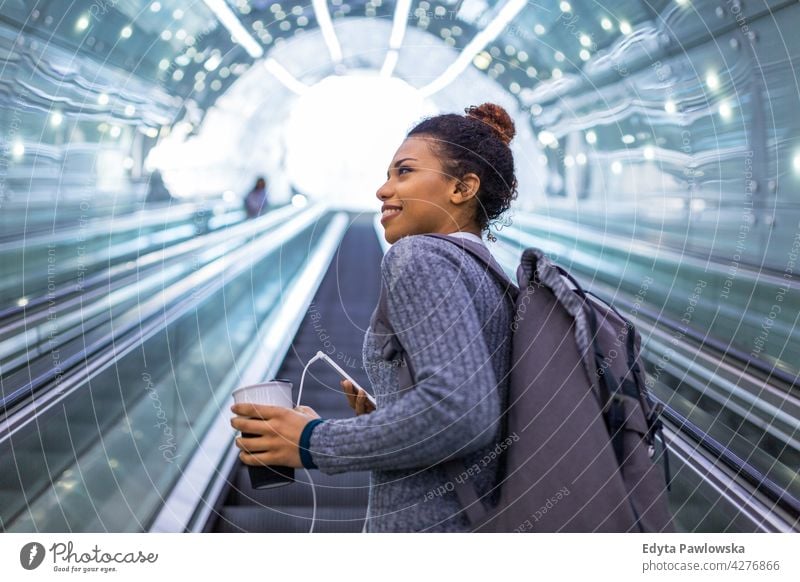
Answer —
157 191
255 203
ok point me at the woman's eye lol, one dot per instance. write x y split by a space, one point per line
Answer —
401 170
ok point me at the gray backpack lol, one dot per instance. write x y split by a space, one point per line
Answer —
581 426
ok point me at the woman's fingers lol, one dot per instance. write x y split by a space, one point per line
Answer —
363 405
254 444
253 426
260 411
361 401
349 392
356 398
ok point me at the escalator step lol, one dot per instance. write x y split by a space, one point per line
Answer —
291 519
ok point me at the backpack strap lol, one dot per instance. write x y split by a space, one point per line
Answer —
466 493
467 496
483 254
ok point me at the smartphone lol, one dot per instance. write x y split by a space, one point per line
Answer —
323 356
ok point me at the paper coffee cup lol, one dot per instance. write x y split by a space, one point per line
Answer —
272 393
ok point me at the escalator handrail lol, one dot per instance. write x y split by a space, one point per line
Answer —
731 460
271 219
739 357
640 247
205 476
166 307
123 223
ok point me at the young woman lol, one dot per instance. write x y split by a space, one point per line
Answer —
452 175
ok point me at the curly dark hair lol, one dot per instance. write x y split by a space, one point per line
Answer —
477 142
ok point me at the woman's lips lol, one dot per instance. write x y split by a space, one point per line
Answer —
389 214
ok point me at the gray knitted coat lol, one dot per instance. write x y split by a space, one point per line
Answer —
455 325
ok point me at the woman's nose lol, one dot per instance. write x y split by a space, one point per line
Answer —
384 191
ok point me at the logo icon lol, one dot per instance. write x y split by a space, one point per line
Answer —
31 555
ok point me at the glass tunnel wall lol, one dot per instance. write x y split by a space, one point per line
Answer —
658 153
677 113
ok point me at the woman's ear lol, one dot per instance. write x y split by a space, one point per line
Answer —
466 188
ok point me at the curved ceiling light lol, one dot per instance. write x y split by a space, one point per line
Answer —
323 17
284 76
228 19
399 25
506 14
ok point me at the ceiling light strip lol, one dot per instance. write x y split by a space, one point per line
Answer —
399 25
285 77
506 14
229 20
389 63
323 17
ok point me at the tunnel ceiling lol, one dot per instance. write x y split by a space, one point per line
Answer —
189 53
672 92
185 49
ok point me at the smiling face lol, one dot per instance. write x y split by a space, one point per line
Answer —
419 196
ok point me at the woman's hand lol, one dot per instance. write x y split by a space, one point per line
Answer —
357 398
278 431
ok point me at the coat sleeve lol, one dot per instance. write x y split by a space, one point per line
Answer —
453 408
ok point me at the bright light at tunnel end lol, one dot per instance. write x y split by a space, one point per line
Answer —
342 132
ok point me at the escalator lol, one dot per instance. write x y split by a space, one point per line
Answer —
100 447
335 323
42 339
139 439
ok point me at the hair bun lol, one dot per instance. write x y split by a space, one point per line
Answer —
495 117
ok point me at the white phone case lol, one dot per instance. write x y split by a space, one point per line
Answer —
338 368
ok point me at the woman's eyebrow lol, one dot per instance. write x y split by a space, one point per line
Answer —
398 162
